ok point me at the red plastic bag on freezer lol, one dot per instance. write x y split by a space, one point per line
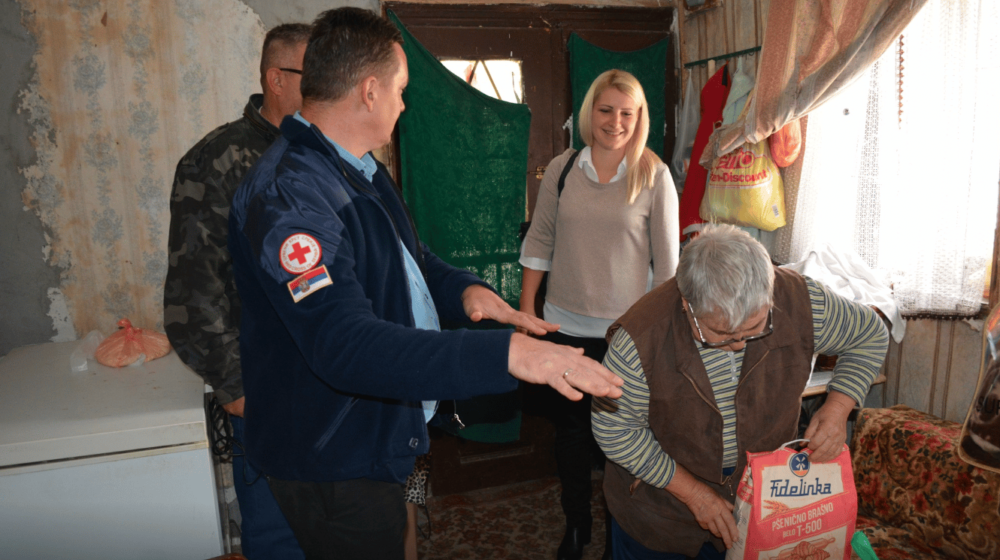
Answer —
128 344
789 508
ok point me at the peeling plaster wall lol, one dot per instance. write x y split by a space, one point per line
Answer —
25 279
115 91
57 281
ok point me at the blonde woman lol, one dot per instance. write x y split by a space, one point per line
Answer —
608 238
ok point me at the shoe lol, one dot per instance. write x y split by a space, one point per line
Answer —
571 547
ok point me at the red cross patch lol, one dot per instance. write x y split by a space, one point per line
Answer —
299 253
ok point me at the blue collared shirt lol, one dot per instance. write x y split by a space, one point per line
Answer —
366 165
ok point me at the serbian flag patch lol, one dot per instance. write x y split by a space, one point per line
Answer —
309 283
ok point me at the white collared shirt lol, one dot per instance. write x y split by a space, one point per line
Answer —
586 163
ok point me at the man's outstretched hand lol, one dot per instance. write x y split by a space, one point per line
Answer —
565 368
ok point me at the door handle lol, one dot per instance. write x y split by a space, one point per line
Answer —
540 171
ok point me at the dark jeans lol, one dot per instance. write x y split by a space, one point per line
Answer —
574 445
264 533
625 547
347 520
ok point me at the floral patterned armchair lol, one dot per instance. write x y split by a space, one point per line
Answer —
916 498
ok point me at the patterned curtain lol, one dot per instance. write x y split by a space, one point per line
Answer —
812 49
902 166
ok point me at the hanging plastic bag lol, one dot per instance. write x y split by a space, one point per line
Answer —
130 345
786 144
789 508
744 188
687 128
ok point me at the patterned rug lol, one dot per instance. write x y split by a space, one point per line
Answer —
515 522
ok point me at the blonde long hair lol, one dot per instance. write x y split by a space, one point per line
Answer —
640 161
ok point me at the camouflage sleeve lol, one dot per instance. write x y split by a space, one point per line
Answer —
201 309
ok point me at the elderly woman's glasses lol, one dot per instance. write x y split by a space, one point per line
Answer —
705 344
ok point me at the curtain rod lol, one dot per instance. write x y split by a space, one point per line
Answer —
722 57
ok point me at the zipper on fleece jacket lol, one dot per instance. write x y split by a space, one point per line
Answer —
337 421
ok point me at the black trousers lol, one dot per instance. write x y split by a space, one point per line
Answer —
356 519
574 446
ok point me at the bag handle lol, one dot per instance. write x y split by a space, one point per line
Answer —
784 445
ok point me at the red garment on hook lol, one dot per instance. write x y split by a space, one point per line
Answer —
713 100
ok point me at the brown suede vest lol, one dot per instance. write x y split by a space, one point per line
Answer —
685 419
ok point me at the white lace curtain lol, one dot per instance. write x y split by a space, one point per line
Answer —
902 166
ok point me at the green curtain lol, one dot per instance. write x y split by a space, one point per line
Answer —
648 65
464 164
464 160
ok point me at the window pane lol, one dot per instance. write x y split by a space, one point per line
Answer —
499 79
901 167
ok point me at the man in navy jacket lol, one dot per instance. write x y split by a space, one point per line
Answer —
341 302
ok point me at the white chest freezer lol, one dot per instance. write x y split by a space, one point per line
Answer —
109 463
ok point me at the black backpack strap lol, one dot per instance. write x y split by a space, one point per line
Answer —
523 231
565 172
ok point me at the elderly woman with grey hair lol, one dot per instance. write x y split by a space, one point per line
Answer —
727 343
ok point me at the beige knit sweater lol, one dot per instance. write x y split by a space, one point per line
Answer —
601 246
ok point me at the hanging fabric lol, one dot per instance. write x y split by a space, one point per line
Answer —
739 92
463 160
713 100
686 130
648 65
918 208
811 51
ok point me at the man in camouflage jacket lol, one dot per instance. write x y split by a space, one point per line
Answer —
201 309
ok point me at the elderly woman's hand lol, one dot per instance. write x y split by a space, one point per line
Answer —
827 430
709 508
